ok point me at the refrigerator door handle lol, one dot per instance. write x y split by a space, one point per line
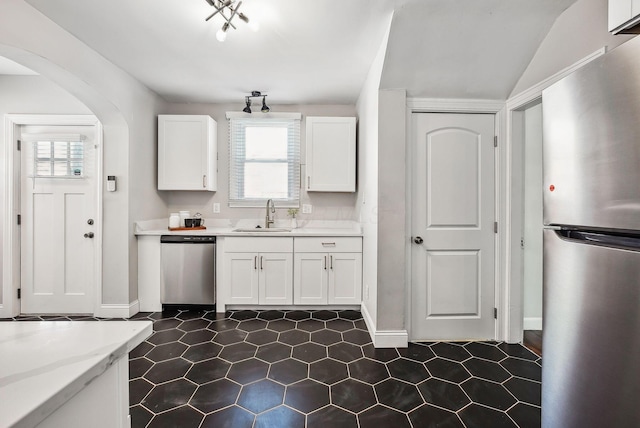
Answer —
624 242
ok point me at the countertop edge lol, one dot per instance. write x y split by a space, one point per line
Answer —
227 232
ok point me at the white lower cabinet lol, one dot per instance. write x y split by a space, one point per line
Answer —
333 278
327 278
259 278
285 271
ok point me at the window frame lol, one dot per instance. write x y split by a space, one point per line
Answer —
238 123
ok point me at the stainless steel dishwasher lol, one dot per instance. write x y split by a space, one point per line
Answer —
188 270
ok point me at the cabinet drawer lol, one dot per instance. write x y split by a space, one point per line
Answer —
328 245
258 245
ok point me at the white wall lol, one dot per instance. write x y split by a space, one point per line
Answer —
326 206
578 32
533 218
126 109
367 203
392 228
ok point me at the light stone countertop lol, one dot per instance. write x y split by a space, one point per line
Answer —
43 364
224 227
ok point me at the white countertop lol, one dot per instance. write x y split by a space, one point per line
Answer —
43 364
223 227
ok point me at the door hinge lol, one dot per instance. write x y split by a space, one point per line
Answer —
495 227
19 293
495 141
19 145
495 313
19 219
521 242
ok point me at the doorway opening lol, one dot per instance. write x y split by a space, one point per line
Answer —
527 131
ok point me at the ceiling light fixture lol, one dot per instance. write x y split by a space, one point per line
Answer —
222 6
256 94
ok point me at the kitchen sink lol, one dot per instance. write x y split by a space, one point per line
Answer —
262 229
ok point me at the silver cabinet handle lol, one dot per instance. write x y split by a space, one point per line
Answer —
204 181
325 262
331 266
308 182
261 257
328 244
255 262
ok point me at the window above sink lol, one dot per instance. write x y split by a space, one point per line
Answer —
264 159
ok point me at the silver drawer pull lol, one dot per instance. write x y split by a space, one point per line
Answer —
331 258
328 244
325 262
255 262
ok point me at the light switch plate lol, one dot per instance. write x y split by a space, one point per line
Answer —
216 207
307 208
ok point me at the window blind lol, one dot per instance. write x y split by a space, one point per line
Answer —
57 155
264 161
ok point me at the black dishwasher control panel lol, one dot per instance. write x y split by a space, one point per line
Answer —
186 239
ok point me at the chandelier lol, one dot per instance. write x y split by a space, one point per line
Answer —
230 8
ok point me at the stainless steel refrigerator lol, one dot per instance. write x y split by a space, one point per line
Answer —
591 309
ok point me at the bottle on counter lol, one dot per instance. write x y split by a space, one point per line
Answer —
174 220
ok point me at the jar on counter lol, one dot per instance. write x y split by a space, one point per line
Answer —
183 215
174 220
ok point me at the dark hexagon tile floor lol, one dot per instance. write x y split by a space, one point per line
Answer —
309 369
305 369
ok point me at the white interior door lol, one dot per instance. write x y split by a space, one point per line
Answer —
453 216
58 211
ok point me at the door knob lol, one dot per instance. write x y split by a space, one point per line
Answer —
88 235
418 240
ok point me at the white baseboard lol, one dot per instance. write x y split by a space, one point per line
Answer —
532 324
118 310
384 338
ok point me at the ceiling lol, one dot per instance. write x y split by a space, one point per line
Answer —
475 49
313 51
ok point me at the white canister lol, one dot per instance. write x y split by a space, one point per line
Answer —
174 220
183 215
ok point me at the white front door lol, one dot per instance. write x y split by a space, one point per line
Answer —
58 210
453 214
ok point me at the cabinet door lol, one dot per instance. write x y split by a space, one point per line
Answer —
619 13
241 277
186 152
331 154
276 271
310 278
345 278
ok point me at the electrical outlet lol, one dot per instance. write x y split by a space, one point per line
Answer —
307 208
216 207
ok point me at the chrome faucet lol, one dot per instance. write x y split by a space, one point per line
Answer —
268 220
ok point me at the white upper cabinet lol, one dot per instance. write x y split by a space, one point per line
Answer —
331 154
623 16
187 152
